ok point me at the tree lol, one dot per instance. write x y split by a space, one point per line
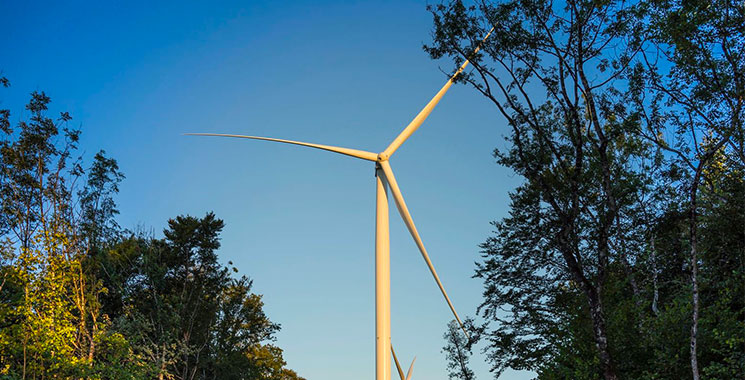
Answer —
80 298
589 273
186 314
98 207
700 96
553 82
49 310
457 352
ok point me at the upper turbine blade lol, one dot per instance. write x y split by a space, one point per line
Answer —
346 151
419 119
398 365
404 211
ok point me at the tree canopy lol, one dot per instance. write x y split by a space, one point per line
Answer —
83 298
623 252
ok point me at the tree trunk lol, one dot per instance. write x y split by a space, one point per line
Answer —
656 296
601 336
599 331
694 276
694 325
694 282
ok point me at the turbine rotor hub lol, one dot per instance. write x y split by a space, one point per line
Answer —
382 157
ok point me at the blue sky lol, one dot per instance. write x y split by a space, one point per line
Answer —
299 222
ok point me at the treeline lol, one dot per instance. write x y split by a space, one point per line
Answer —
83 298
623 254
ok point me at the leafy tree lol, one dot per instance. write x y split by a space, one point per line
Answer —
82 299
550 78
98 207
52 325
601 260
457 352
695 92
186 313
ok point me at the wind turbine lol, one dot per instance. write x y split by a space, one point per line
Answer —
386 180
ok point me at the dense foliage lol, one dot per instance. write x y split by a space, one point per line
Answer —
81 298
623 255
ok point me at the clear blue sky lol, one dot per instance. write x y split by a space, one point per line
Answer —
299 222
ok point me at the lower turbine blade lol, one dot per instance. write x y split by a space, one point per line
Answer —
346 151
406 216
398 365
411 369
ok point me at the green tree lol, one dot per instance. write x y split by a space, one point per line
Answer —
185 312
458 352
625 122
81 300
51 321
695 92
548 74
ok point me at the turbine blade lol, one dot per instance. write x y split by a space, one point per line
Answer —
346 151
398 365
419 119
411 369
406 216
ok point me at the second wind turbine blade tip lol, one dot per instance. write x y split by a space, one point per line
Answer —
411 369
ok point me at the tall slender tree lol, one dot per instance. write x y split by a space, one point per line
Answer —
694 70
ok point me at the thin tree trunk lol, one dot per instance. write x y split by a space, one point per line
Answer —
465 375
25 344
656 296
694 325
627 267
694 275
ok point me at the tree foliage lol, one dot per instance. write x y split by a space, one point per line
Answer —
81 298
458 351
187 314
625 122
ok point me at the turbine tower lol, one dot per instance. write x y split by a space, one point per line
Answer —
385 180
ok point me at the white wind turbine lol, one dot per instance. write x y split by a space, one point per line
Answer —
385 179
